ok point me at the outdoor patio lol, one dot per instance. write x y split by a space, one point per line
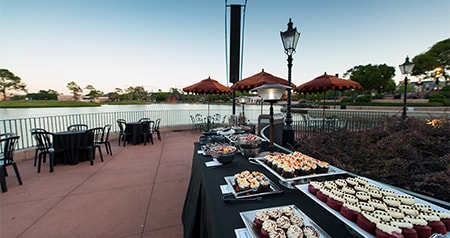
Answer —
137 192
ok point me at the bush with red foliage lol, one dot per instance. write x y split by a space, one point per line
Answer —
412 154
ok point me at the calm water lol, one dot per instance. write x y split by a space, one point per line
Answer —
15 113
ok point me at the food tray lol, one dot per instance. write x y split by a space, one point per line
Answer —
352 225
249 216
300 179
273 189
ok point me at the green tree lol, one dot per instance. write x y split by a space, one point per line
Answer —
372 77
75 89
9 81
438 56
43 95
93 93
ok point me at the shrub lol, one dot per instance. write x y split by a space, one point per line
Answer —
412 154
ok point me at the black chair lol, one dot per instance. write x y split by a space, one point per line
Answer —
122 133
77 127
156 128
147 131
36 152
105 139
92 138
8 146
144 119
44 140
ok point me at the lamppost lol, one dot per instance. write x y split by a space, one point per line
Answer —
290 39
243 100
271 93
406 68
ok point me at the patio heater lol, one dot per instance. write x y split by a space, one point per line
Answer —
290 39
243 100
406 68
271 93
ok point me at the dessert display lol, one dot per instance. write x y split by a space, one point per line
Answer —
246 184
285 221
223 153
295 164
381 212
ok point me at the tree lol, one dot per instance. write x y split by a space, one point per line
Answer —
9 81
43 95
93 93
75 89
436 59
372 77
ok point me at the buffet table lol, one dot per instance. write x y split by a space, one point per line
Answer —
206 214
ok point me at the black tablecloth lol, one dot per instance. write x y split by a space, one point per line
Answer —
205 214
69 142
134 132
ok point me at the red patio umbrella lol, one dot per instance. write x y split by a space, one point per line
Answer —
207 86
259 79
327 82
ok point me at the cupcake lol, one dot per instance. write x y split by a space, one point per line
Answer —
420 225
283 222
377 204
364 206
260 218
406 199
367 221
348 190
350 198
274 213
322 167
362 196
391 201
350 211
287 211
375 194
387 230
277 233
335 202
445 218
361 180
388 192
408 210
395 213
267 227
361 188
294 231
265 184
407 228
323 194
314 186
434 221
310 232
297 220
351 182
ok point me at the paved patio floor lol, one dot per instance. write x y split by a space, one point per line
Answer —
137 192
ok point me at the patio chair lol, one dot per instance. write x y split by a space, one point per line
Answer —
144 119
77 127
147 130
44 140
156 128
93 136
8 146
105 139
122 133
36 152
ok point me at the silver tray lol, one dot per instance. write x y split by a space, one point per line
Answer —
353 226
300 179
249 216
238 195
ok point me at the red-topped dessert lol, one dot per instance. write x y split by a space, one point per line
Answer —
350 211
335 202
445 218
407 228
434 221
314 186
387 230
420 225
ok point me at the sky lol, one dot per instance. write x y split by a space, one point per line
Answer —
172 44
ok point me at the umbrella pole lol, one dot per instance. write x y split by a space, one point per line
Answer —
207 118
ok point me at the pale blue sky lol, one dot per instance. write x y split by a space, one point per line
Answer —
165 44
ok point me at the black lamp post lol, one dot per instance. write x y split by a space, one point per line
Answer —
271 93
406 68
243 100
290 39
